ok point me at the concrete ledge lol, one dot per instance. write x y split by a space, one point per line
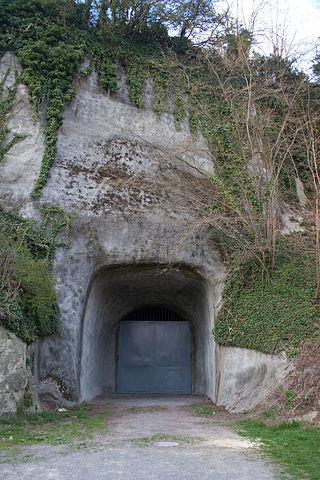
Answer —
246 377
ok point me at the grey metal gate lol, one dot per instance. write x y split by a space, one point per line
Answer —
154 357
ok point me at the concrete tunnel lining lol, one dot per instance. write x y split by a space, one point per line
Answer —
115 292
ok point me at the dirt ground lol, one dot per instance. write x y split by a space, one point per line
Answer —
148 438
164 437
299 396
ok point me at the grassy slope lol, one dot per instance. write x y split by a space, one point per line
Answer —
294 447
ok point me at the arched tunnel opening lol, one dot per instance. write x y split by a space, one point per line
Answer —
147 329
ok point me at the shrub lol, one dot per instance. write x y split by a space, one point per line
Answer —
28 303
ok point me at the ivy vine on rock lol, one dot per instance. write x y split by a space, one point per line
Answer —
7 103
259 116
28 299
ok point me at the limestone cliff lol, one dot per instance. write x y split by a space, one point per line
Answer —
135 187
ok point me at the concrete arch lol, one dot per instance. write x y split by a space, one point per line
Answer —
115 292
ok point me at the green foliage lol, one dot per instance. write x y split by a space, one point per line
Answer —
108 75
258 141
51 38
54 428
137 75
160 73
273 312
7 99
49 73
28 302
188 17
179 108
50 55
267 414
204 409
289 444
316 66
193 116
289 395
238 102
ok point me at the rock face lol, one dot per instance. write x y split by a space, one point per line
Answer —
13 372
135 186
133 181
21 166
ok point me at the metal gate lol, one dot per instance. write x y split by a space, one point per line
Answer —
154 357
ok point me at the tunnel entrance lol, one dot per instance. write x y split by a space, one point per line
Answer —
178 299
154 352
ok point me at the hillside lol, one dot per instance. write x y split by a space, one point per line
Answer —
160 157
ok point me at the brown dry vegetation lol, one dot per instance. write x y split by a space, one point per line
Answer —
299 396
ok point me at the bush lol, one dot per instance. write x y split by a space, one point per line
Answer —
28 303
269 314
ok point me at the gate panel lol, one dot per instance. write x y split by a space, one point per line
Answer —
154 357
172 343
136 343
136 357
136 379
172 351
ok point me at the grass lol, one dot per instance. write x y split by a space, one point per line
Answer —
54 428
204 410
18 458
269 414
153 408
294 447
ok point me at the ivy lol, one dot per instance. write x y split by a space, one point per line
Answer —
230 200
137 75
51 40
271 313
193 116
49 73
7 100
161 80
179 112
54 220
28 300
108 75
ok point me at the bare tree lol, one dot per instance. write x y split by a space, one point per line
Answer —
311 137
253 130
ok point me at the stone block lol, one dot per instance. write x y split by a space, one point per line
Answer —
13 372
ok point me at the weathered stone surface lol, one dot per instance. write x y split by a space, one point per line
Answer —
134 183
135 187
13 372
246 377
21 165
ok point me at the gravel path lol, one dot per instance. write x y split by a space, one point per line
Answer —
148 438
